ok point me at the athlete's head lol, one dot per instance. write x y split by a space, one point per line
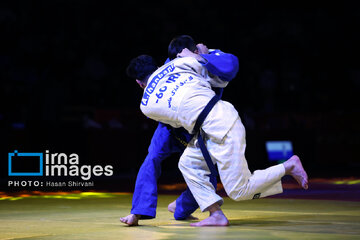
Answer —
177 44
140 68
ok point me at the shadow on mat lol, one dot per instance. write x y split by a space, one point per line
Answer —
264 223
245 222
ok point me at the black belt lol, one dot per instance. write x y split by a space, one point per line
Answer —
204 151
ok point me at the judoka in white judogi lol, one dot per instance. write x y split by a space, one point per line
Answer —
176 94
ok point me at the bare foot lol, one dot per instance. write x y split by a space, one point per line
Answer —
131 220
215 219
294 168
172 207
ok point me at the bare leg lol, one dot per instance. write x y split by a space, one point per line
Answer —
131 220
294 168
216 218
172 207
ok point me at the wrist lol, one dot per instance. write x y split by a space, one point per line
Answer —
200 59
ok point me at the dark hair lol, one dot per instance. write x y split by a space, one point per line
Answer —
141 67
178 43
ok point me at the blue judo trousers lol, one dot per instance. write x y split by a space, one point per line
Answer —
165 142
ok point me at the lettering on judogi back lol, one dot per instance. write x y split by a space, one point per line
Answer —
153 83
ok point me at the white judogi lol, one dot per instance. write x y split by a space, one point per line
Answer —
176 94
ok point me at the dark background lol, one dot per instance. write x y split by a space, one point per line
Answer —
64 89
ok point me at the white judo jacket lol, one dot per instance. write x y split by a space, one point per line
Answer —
178 91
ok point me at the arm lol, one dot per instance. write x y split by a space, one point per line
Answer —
223 65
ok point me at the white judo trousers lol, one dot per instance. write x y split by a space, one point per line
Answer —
229 155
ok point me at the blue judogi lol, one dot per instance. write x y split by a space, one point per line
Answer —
166 141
